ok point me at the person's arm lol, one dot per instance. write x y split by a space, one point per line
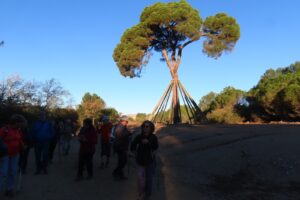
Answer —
95 138
154 144
22 139
81 136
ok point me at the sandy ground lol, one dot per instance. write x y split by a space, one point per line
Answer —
215 162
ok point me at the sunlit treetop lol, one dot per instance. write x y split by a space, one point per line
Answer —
170 27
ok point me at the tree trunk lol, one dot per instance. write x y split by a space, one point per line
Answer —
175 102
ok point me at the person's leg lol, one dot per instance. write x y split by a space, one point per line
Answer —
21 159
89 164
52 147
12 172
69 144
141 181
80 166
24 159
116 172
102 155
38 157
3 171
45 156
107 153
149 173
63 146
107 161
102 158
123 162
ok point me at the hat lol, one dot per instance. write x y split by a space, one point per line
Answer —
16 118
124 118
105 118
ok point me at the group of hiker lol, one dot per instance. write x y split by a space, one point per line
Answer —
16 140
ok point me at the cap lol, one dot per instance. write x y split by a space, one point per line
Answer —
124 118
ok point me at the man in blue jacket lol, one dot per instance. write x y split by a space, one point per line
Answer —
43 132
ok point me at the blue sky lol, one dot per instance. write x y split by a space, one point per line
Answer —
73 41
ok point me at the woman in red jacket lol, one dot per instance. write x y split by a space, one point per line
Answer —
88 140
12 137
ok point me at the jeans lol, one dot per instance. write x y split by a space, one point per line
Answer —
145 178
8 171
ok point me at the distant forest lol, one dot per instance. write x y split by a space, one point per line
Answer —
276 97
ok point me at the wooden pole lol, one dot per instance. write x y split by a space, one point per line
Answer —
160 101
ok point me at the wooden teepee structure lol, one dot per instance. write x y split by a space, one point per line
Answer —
178 92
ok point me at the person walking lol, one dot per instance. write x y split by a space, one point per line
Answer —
88 140
43 133
27 145
67 137
121 143
105 132
11 136
144 147
53 142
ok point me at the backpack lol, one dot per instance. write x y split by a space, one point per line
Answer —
112 135
116 137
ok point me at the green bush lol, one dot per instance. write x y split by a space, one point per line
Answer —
224 116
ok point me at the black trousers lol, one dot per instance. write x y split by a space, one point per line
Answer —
41 150
122 161
85 160
23 158
52 147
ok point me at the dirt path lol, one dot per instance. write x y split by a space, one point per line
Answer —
215 162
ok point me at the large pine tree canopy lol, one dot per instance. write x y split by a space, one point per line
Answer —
171 27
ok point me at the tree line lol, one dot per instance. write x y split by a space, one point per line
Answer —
29 98
276 97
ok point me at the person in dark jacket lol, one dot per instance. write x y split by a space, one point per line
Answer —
43 133
88 140
121 143
144 147
28 144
